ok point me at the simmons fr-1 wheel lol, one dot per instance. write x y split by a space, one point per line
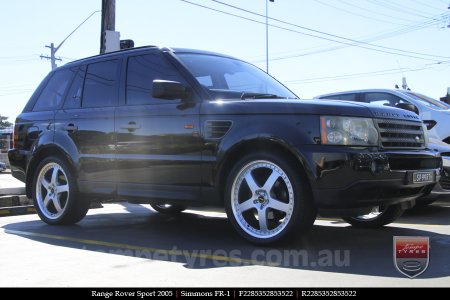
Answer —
267 199
55 193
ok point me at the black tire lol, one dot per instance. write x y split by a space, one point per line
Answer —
384 216
55 193
279 193
168 208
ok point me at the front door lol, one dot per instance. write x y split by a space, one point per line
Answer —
158 141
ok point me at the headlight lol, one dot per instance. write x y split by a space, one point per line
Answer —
348 131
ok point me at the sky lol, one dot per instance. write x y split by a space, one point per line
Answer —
315 46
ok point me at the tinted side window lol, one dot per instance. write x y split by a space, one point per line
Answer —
100 86
346 97
73 98
384 99
141 72
53 93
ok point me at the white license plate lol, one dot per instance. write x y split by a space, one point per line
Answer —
423 177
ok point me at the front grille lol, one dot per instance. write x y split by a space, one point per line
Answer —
401 134
445 180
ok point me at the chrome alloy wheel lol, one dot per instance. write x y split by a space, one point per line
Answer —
52 190
262 199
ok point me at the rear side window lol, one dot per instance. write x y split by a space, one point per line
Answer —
73 98
101 84
141 72
53 93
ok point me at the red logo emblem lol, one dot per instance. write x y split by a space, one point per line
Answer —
411 254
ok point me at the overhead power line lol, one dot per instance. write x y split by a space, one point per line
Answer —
373 38
403 9
369 38
428 5
346 41
365 74
358 14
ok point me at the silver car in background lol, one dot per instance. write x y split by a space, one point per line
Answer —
434 113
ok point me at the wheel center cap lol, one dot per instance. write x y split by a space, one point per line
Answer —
262 198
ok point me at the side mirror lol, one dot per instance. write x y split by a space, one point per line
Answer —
408 106
169 90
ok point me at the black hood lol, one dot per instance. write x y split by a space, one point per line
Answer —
307 107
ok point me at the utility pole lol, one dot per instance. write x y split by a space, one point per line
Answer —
53 50
52 57
108 21
267 35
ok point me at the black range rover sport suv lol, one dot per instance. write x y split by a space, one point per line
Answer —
181 128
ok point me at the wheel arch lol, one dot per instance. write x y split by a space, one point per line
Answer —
38 156
271 145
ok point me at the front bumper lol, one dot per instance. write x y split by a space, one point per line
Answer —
350 181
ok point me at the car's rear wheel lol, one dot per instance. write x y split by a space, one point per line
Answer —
378 217
168 208
55 193
267 199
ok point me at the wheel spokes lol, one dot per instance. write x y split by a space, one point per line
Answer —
246 205
54 179
262 219
251 182
52 190
44 183
263 199
46 200
268 185
57 204
278 205
62 189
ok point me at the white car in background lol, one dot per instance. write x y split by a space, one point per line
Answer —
434 113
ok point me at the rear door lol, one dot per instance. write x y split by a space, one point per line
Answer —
158 141
85 125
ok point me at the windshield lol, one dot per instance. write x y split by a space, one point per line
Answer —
427 101
227 78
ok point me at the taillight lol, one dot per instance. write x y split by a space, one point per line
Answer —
15 137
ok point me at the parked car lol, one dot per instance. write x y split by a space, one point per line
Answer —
434 113
179 127
2 166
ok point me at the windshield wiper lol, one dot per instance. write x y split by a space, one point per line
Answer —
246 95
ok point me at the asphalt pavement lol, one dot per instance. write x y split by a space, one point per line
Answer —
125 244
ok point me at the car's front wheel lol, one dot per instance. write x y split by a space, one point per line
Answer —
267 199
55 193
378 217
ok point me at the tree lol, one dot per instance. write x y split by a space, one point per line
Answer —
4 123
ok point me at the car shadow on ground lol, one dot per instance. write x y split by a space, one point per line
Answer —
201 241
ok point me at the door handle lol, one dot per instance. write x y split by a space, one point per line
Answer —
70 128
131 126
